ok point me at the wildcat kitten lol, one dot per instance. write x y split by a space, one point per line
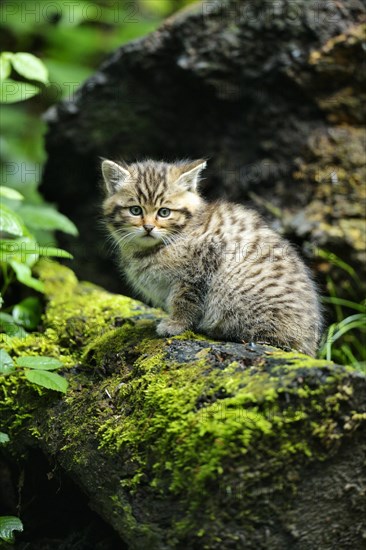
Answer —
216 268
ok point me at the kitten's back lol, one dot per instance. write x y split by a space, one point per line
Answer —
259 287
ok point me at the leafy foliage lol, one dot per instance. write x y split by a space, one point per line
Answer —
6 362
25 65
47 379
19 251
4 438
9 524
36 370
21 219
345 338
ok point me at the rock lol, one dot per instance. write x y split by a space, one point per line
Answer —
190 443
272 93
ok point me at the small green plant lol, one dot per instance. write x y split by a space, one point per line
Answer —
19 251
9 524
25 222
344 340
22 222
26 66
4 438
37 370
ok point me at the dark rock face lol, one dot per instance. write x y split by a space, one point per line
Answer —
271 93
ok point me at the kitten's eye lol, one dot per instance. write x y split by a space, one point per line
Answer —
136 210
164 212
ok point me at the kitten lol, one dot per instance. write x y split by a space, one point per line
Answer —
214 267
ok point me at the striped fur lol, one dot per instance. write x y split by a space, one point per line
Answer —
215 268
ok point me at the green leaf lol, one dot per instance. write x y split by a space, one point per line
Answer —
55 252
39 362
8 524
24 275
10 222
342 302
46 217
24 250
347 327
30 67
50 380
5 67
27 251
10 193
12 91
9 326
28 313
335 260
6 362
4 438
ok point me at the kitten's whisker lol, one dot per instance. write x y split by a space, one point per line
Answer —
111 243
172 237
125 239
165 241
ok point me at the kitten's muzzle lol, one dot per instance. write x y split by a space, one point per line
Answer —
148 228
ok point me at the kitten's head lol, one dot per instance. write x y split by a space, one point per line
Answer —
149 203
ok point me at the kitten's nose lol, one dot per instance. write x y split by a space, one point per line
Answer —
149 228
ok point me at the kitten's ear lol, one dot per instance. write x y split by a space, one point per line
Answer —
114 176
191 174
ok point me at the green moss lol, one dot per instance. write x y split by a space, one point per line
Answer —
59 281
91 313
76 314
189 334
19 400
183 430
194 424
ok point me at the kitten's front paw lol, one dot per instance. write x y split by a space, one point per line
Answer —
169 327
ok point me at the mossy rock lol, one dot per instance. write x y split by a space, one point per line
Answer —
191 443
